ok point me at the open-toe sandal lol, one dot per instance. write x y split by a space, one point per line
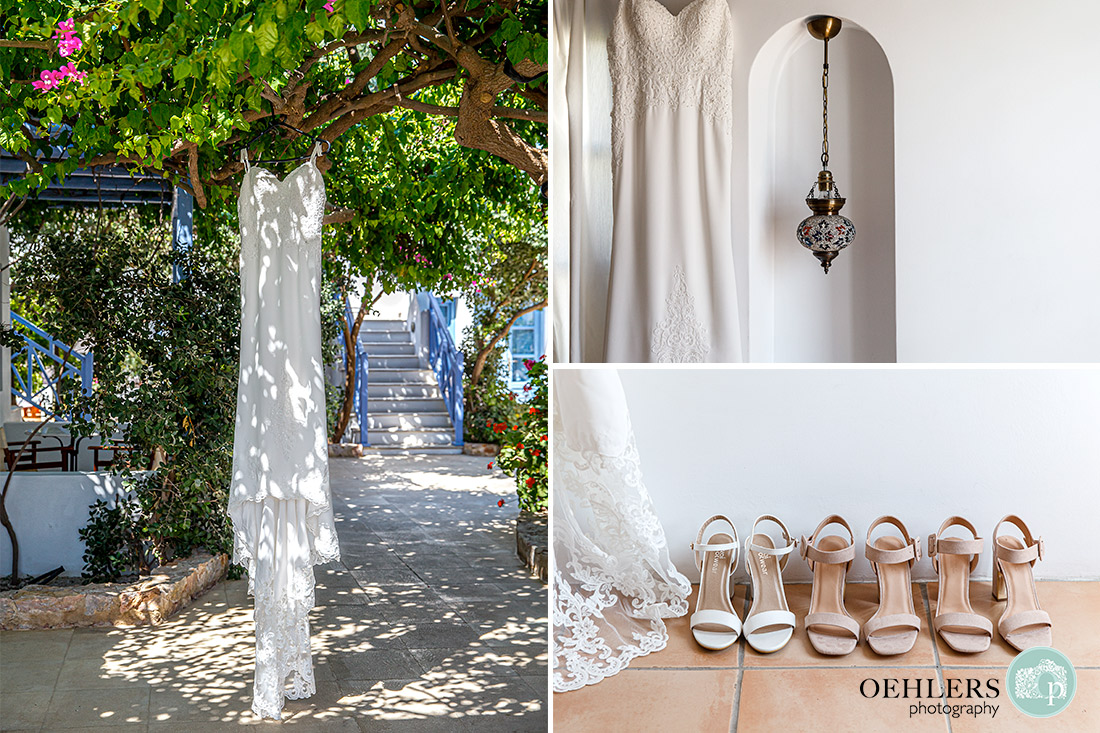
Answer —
954 559
715 625
769 623
895 626
1023 624
830 629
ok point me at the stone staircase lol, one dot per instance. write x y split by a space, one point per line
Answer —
405 408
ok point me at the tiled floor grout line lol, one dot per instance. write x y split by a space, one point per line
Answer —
740 670
935 646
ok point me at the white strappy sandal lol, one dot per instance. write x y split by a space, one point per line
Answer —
715 625
769 624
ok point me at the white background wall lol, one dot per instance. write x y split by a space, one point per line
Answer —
48 510
994 106
847 315
921 444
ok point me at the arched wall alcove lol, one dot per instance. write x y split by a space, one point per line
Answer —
797 313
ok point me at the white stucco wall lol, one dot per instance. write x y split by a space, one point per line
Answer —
994 170
921 444
47 511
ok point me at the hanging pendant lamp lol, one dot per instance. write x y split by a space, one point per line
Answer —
826 232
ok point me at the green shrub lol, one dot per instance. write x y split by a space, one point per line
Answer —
113 541
523 444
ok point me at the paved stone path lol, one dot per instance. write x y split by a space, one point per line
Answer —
429 623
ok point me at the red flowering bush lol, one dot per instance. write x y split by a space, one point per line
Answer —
523 445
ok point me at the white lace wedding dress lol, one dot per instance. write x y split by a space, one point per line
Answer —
672 295
279 498
613 581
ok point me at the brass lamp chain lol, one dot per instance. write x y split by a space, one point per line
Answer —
825 110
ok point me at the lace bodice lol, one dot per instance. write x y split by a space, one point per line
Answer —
671 61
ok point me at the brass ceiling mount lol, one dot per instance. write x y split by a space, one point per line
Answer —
822 27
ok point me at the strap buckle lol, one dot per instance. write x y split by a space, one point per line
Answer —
802 547
916 549
1042 547
931 545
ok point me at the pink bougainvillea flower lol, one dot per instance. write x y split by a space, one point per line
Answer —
69 46
328 6
349 80
66 26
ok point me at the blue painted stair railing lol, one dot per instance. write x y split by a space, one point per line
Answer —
42 361
446 361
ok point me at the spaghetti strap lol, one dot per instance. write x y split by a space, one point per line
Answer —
316 149
244 159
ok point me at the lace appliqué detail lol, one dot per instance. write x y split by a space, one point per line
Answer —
663 61
613 581
679 337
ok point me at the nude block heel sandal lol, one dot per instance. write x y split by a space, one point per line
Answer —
769 624
894 627
715 625
830 628
1023 624
954 559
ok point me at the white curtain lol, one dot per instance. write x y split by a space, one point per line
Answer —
580 178
613 581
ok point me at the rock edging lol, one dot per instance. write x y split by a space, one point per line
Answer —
531 543
148 602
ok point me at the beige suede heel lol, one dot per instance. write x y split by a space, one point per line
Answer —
1023 624
715 625
954 559
895 626
830 628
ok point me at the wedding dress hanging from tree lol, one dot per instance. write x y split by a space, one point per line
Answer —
613 581
279 498
672 295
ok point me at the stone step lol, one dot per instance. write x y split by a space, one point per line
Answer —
411 438
409 420
391 405
400 376
382 324
393 362
376 389
389 348
393 450
384 337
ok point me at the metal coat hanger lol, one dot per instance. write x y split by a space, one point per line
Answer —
273 123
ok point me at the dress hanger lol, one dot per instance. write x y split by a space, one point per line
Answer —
273 123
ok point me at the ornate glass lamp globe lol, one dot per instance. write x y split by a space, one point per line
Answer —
826 232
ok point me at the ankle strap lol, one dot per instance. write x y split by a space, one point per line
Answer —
1034 549
910 553
830 557
784 552
954 545
698 546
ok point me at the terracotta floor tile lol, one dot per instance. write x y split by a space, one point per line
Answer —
861 600
650 700
827 700
683 651
1082 714
1071 605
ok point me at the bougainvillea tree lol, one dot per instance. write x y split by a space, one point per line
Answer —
177 85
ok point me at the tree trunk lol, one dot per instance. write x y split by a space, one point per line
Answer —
487 349
351 338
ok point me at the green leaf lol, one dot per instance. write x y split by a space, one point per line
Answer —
181 70
267 37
